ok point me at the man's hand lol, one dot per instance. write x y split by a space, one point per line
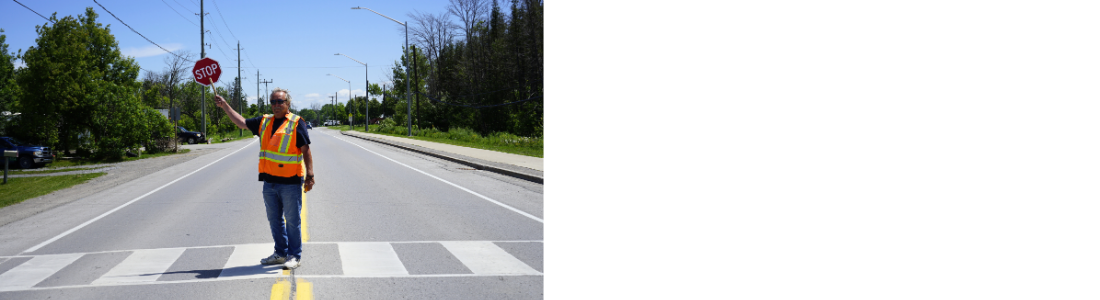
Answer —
309 182
220 102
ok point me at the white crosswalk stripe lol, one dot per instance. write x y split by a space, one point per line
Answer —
357 259
245 262
370 259
487 258
34 271
141 266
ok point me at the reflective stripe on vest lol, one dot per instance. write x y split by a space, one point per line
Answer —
277 156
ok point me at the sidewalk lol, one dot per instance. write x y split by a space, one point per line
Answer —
520 166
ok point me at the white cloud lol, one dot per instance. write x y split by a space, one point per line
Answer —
151 50
344 93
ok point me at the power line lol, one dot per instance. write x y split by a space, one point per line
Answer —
249 59
178 13
219 47
223 20
138 33
184 7
219 32
35 12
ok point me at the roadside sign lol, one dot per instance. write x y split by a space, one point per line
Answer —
207 71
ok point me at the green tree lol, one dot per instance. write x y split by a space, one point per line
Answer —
308 114
79 91
9 91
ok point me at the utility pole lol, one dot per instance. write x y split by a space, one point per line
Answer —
417 76
408 92
366 101
258 92
332 102
240 102
265 82
202 46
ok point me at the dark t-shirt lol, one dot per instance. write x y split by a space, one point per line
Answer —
301 135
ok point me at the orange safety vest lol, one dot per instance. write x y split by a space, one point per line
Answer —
279 155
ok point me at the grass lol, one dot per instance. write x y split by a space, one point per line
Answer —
64 162
501 142
46 171
228 137
20 189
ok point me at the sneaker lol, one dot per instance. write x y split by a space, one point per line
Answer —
292 263
274 259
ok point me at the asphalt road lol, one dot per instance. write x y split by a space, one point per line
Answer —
380 223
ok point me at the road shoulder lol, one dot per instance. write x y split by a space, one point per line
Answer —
117 174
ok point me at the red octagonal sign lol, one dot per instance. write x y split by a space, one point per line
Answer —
207 71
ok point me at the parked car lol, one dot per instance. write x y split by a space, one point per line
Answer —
30 156
188 136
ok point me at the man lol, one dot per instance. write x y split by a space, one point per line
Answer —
284 159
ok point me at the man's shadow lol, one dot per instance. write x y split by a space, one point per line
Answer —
214 273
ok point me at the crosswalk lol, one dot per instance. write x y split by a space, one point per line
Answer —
344 259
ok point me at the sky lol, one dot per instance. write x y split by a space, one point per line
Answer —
291 43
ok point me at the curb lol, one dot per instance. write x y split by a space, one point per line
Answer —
502 169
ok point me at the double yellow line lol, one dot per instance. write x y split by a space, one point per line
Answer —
281 290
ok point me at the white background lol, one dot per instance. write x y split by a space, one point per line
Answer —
823 149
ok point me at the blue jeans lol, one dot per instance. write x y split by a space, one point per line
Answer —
285 200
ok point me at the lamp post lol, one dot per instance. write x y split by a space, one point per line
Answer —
366 100
349 92
408 92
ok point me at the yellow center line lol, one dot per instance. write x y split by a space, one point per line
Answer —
281 290
304 290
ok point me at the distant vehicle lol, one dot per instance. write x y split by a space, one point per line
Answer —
190 137
309 125
30 156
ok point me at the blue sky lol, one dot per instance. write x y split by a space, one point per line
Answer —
291 43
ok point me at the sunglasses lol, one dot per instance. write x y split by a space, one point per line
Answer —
277 101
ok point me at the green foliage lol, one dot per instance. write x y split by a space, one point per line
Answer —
9 90
308 114
375 108
497 141
499 62
81 93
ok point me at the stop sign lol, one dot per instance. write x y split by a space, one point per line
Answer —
207 71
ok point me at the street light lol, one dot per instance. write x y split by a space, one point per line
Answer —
349 95
366 102
408 91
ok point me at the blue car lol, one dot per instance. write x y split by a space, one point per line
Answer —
30 156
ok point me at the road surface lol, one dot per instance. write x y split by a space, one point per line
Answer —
380 223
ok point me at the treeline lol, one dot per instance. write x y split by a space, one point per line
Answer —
174 87
77 92
486 74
